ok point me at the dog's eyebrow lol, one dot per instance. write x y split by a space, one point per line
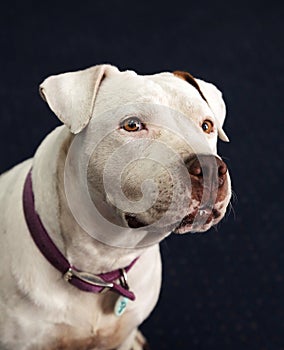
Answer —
190 79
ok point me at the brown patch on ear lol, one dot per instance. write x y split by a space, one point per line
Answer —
190 79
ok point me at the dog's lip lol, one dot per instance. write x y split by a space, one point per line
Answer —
198 220
133 221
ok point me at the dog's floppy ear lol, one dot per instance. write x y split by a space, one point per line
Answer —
212 96
216 103
71 96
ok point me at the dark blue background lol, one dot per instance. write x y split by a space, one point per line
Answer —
224 289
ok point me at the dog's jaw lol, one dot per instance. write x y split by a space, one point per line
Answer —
198 220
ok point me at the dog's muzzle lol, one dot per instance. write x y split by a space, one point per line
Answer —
209 193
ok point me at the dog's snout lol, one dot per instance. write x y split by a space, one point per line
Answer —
207 166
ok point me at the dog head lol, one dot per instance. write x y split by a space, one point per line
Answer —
151 143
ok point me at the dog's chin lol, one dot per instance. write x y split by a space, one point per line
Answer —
198 221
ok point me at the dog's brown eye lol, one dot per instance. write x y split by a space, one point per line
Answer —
207 126
132 124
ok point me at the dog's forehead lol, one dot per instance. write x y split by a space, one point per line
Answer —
164 89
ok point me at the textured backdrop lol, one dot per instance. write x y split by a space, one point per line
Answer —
223 289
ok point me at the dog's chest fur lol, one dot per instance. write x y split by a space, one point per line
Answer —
69 338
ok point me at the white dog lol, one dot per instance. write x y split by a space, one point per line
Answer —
64 267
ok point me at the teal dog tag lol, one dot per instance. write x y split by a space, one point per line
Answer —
120 305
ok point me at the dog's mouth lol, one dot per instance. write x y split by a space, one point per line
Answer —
134 222
198 220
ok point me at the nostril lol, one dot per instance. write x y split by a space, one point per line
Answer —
193 166
222 169
195 170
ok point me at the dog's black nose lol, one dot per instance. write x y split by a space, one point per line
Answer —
203 167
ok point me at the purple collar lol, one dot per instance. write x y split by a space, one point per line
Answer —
83 280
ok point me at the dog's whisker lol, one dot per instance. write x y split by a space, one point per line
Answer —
229 211
234 196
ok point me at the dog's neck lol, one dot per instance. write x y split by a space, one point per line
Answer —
77 246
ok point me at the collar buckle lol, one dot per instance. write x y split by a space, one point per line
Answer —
87 277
